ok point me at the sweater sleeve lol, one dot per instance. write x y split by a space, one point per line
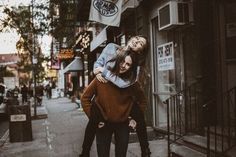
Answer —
86 98
140 97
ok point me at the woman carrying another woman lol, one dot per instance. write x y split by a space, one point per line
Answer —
138 45
114 104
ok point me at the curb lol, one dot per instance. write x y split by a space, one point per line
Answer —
4 138
42 112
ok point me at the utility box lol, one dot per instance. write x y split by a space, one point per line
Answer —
20 126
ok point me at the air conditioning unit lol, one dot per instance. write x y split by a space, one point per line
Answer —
174 13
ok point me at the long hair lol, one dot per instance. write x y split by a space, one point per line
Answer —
141 58
130 74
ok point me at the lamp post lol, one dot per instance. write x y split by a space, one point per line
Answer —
34 60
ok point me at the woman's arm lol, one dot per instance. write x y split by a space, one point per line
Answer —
107 53
86 98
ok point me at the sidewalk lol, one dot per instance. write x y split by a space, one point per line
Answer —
61 135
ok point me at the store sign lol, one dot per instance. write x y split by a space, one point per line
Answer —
65 54
18 118
166 57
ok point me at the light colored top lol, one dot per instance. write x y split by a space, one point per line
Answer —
108 53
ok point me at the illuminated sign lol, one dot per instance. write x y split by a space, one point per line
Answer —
65 54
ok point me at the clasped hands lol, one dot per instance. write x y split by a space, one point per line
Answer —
98 74
132 123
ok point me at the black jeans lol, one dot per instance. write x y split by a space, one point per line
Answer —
90 131
141 128
104 137
96 117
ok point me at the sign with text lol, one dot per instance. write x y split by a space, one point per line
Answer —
166 56
65 54
18 118
107 12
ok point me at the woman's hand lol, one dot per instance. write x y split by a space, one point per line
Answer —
98 70
132 123
100 78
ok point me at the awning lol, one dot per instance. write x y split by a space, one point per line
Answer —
129 4
7 63
99 39
74 66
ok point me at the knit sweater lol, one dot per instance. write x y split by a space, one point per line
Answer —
114 103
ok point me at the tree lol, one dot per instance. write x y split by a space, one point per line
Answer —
31 23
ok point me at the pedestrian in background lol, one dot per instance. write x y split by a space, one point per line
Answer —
114 104
48 91
2 91
24 93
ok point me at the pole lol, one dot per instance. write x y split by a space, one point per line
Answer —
34 61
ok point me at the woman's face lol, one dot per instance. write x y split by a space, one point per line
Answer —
125 65
137 44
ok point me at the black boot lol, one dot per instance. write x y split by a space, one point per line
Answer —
146 152
84 154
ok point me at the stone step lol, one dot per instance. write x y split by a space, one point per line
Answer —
183 151
231 152
225 132
201 141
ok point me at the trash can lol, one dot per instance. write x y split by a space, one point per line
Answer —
20 127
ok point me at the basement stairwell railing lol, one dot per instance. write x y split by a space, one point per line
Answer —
220 114
189 112
184 113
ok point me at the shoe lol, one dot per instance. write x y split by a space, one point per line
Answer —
82 155
146 153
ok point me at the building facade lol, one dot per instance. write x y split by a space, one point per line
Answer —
191 60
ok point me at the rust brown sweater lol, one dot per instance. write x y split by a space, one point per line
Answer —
114 103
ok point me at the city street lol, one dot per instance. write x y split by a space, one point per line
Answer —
61 135
3 127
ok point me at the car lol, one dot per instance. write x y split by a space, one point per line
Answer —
3 110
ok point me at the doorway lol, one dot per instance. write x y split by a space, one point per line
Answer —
168 75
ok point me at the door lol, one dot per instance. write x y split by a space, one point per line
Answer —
167 71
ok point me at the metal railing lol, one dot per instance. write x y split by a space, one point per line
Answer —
184 113
188 113
221 123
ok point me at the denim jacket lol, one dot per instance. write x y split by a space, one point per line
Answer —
108 53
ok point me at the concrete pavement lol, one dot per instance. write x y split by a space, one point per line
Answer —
61 133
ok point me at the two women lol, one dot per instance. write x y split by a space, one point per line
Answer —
137 45
114 104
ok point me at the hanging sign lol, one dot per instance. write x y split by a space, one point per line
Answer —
107 12
65 54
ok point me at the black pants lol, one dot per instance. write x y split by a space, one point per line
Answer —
141 128
96 117
90 131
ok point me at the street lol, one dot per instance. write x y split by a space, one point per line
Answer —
3 127
61 135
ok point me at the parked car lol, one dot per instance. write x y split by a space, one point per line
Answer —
9 97
2 100
3 109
